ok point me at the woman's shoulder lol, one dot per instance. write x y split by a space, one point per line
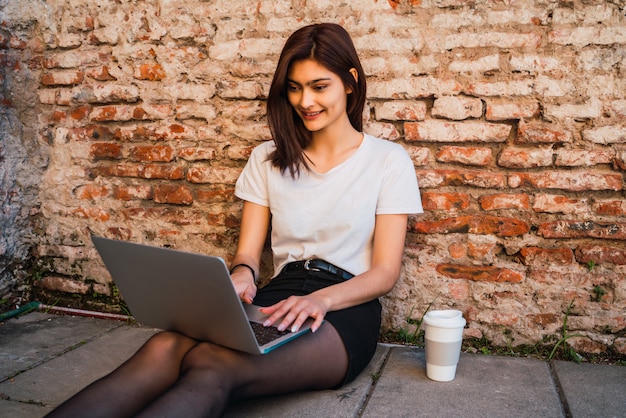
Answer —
384 146
265 147
263 150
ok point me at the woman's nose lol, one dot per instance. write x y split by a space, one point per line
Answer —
306 98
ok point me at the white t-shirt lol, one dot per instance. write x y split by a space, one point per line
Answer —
331 216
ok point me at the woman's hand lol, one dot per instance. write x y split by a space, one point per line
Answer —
295 310
244 285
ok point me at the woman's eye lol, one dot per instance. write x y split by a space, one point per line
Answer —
320 88
292 87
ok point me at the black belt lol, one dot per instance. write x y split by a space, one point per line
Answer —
316 264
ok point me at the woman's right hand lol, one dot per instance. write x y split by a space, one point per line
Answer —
244 285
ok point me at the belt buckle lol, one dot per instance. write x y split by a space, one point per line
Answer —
308 267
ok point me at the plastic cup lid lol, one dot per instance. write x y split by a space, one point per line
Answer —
449 318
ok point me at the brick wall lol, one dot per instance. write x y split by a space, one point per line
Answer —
513 112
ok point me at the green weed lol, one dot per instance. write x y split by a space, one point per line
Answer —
414 337
568 352
598 292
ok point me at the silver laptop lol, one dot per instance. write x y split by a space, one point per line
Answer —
188 293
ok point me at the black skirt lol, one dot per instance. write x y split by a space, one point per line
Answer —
358 326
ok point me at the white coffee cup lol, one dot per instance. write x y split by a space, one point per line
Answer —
443 335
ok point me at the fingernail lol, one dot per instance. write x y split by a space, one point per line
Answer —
295 328
281 327
267 323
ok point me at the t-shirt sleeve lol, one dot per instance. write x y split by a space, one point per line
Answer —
252 182
399 190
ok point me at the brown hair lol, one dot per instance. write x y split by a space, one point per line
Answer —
331 46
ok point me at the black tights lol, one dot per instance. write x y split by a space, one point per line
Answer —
173 375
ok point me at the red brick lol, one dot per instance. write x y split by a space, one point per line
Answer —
440 178
457 250
507 110
559 204
150 153
457 107
80 113
91 191
219 175
500 88
445 201
132 192
127 113
536 256
464 155
63 78
576 181
150 72
505 201
105 150
100 73
119 233
582 229
98 214
479 273
197 154
459 290
148 171
587 345
540 133
525 158
166 132
174 194
545 320
58 116
93 132
500 226
610 207
440 131
401 110
600 254
218 195
102 114
481 251
583 157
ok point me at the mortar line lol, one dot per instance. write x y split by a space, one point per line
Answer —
374 383
559 390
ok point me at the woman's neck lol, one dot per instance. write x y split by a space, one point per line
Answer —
330 148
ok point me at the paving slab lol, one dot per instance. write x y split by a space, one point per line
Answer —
46 358
592 390
484 386
86 349
37 337
347 401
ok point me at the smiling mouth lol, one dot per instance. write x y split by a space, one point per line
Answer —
310 115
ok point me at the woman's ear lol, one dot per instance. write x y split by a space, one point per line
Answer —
355 74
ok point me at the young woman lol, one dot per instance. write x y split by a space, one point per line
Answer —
337 202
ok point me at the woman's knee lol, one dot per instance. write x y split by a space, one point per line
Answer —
209 356
167 345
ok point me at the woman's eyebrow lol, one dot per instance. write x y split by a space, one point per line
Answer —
308 83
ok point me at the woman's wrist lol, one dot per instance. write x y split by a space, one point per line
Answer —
246 266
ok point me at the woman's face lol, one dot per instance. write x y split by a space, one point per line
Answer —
317 94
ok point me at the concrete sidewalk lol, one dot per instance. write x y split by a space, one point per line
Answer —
46 358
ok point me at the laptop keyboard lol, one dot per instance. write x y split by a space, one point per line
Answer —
266 334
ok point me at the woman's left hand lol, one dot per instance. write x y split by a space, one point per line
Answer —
295 310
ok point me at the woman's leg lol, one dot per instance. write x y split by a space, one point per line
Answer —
124 392
212 375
